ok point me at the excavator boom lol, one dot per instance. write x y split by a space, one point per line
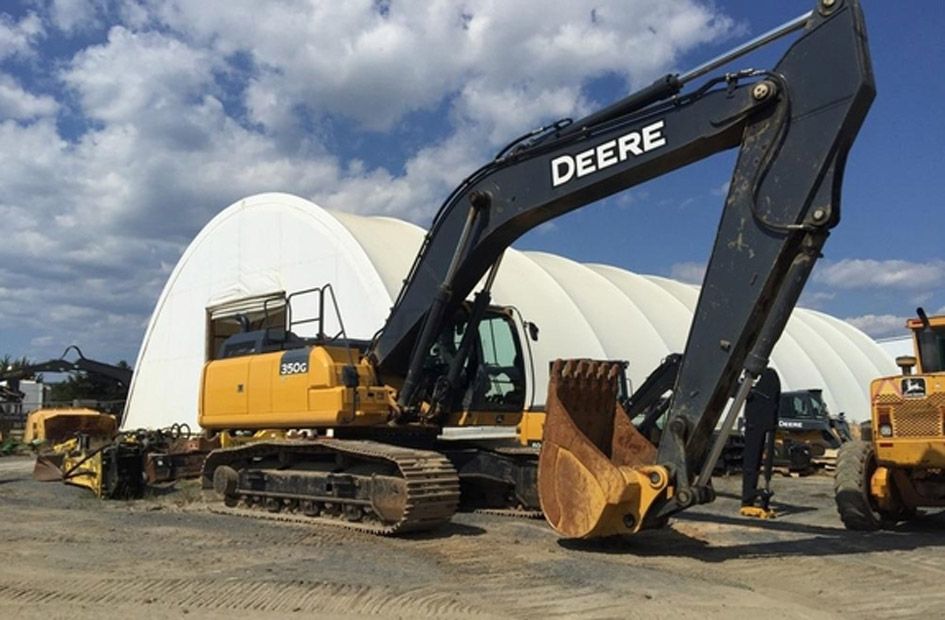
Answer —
794 125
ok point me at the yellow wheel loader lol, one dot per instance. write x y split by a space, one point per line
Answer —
901 468
363 422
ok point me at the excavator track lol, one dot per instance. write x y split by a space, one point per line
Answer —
522 510
371 487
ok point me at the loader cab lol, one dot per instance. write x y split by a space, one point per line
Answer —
929 343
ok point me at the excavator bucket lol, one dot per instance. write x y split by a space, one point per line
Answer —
596 473
48 467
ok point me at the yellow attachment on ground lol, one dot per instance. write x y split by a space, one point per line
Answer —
56 425
84 469
68 461
596 473
757 512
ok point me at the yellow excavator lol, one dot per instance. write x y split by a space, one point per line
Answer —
349 432
884 479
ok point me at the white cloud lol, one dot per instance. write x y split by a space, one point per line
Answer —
815 299
189 107
141 79
867 273
349 59
22 105
18 37
72 16
688 272
879 325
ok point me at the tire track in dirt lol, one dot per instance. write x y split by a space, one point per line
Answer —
876 582
892 585
531 578
165 561
241 595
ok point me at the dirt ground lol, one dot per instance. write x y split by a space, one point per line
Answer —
66 554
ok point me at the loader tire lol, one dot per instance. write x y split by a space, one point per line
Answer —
856 463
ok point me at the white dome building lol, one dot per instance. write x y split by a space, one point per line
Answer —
268 245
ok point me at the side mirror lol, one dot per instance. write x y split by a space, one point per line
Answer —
532 330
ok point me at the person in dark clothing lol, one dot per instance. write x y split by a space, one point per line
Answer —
761 423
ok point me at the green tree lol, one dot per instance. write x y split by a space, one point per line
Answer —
8 364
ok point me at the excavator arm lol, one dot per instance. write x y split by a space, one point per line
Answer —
794 125
116 374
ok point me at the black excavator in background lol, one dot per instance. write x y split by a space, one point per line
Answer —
374 410
808 436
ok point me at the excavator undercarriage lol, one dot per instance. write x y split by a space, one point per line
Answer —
364 485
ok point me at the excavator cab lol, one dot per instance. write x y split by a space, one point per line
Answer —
491 388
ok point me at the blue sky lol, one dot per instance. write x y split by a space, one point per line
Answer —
126 125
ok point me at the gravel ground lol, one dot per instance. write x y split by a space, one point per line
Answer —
70 555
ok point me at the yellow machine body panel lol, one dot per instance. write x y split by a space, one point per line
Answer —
56 425
81 468
297 388
531 426
483 418
912 408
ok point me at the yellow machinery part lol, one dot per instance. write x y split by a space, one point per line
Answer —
882 491
757 512
261 391
231 441
54 432
921 453
596 475
69 462
81 470
52 426
483 418
918 424
531 427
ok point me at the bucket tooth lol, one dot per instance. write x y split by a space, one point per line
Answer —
596 473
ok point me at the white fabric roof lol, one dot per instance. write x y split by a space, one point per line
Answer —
271 243
897 346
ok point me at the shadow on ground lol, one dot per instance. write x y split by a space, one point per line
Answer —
743 538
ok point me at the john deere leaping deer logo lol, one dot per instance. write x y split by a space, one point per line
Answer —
913 387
